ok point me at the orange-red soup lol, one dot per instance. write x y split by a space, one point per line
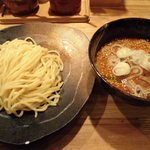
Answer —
135 78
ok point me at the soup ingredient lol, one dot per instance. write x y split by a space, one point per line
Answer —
139 57
29 77
121 69
124 52
125 63
145 63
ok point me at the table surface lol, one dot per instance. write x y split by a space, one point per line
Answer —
105 122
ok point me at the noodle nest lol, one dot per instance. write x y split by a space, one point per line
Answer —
30 77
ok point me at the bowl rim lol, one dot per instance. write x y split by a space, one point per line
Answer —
139 99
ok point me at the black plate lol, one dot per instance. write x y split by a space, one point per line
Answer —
77 75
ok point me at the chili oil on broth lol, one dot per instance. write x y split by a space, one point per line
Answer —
107 59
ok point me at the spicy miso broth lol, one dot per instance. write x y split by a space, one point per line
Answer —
125 64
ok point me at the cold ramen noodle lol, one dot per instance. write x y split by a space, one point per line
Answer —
125 63
30 77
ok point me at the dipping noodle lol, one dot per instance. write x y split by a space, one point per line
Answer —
30 78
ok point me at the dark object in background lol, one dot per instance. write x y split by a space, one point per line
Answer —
21 7
122 28
1 3
65 7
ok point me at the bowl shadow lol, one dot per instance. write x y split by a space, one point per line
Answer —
128 127
138 116
97 103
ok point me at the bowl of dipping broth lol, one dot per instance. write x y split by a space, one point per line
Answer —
119 53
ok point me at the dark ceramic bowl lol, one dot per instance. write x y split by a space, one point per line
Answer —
122 28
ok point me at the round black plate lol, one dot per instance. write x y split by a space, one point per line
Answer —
77 75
